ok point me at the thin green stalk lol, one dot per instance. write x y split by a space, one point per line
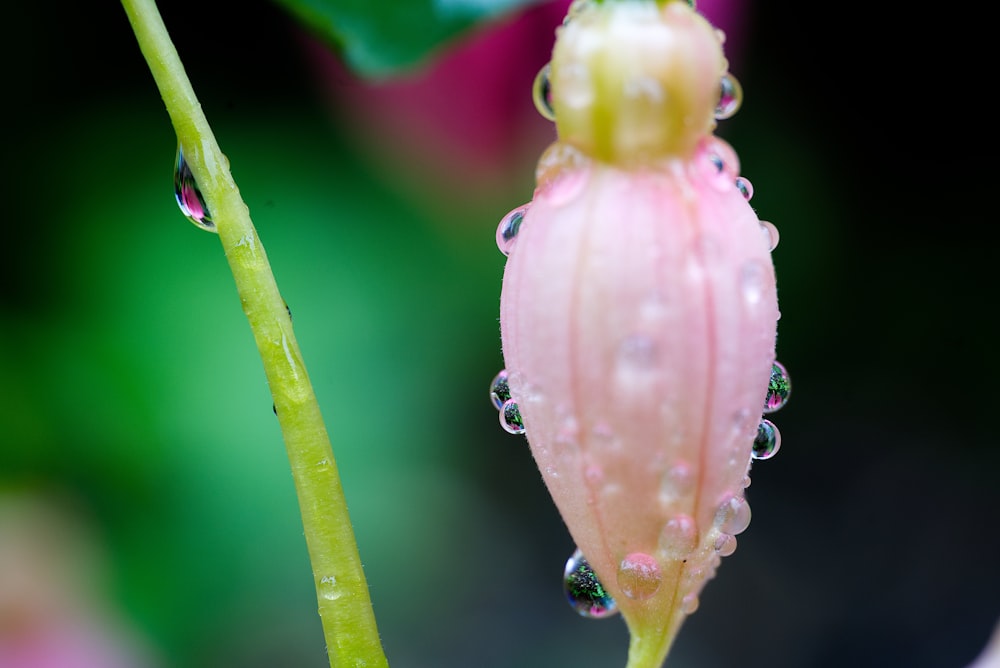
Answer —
342 591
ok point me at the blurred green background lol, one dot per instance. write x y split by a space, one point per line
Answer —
143 481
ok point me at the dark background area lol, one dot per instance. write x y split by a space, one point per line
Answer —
135 405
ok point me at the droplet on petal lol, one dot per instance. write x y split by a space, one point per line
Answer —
188 195
510 417
584 591
725 544
679 537
733 515
500 389
770 234
541 93
730 97
689 604
745 187
508 228
639 575
767 442
778 388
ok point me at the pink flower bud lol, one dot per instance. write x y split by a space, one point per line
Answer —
639 311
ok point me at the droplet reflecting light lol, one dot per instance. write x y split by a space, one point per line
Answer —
584 591
189 197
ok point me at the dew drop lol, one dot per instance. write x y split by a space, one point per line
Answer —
770 234
725 544
189 197
752 281
679 537
689 603
778 388
510 417
508 228
329 589
677 482
720 158
541 93
559 160
745 187
730 97
733 515
639 576
584 591
500 389
767 441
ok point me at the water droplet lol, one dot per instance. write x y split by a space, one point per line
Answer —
561 160
725 544
510 417
541 93
745 187
767 441
689 603
778 388
733 515
329 589
720 159
508 228
770 234
677 482
584 591
639 576
500 389
730 97
189 197
752 281
679 537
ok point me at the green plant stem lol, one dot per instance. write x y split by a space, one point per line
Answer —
648 649
342 591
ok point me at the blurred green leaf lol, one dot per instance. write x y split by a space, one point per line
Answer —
378 39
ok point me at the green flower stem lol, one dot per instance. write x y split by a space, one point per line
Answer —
344 604
648 648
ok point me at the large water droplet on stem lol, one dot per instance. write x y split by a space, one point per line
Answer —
189 197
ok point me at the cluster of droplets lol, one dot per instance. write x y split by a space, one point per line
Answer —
639 575
768 438
189 197
510 414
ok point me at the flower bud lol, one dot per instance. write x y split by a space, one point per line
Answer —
639 312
